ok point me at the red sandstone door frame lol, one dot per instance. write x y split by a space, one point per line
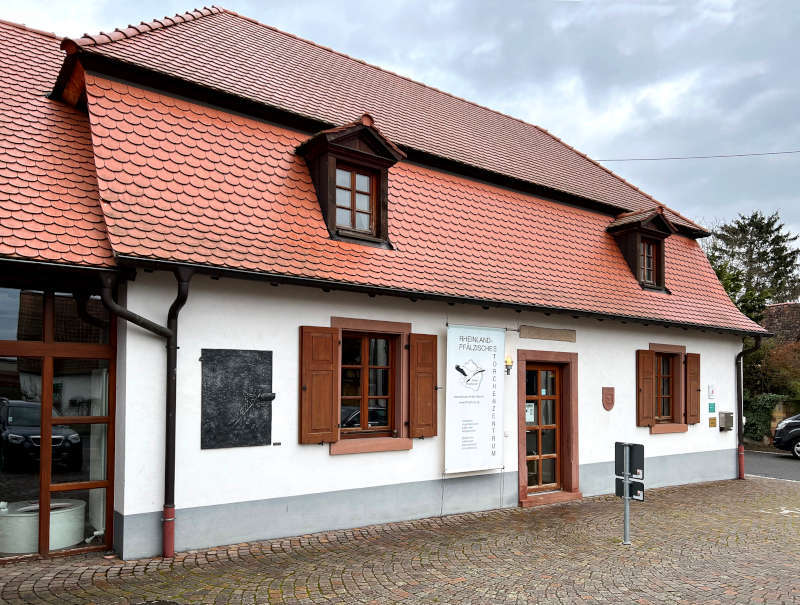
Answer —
568 425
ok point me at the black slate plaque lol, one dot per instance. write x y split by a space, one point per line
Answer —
236 402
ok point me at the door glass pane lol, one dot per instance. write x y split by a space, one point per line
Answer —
362 182
343 218
548 378
351 351
80 387
74 323
531 443
378 352
20 421
379 382
665 369
378 412
533 473
362 221
79 452
549 441
343 198
77 518
665 384
530 413
351 382
342 178
530 382
665 406
362 202
548 411
549 470
351 413
21 314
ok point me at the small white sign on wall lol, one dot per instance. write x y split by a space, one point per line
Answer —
474 399
712 391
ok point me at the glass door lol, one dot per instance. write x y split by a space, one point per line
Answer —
56 422
542 438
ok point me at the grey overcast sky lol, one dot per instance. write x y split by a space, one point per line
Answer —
616 79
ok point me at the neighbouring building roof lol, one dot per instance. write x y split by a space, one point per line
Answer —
49 206
186 182
783 320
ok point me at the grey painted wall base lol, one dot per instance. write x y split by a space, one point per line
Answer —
138 536
661 471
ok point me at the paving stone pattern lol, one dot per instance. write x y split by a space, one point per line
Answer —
724 542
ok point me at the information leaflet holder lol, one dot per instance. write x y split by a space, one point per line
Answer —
628 466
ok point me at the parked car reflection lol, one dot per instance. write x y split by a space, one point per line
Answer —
351 417
20 437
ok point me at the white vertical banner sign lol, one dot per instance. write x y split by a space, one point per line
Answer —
473 438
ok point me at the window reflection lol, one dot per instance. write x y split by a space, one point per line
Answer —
79 452
77 518
21 314
80 387
82 319
20 435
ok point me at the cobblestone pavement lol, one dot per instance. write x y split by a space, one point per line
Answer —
725 542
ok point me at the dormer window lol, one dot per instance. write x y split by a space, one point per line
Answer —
349 166
640 236
355 202
647 261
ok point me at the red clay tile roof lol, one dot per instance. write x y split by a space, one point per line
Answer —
49 207
220 49
190 183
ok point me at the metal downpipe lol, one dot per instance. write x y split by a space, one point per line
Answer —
740 403
170 333
183 276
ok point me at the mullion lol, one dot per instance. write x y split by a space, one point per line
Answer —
364 376
353 199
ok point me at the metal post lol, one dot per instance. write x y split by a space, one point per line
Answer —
626 481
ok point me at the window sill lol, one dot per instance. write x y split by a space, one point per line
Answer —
654 288
668 427
361 237
366 445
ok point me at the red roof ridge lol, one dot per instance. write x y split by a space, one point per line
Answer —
135 30
22 26
688 220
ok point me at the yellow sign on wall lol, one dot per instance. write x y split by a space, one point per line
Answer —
712 421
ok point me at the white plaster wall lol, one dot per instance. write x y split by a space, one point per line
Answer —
252 315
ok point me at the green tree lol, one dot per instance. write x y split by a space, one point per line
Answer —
756 261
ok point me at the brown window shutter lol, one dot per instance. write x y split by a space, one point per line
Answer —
645 387
692 388
422 391
320 355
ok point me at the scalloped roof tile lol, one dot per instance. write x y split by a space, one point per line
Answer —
156 177
204 186
49 205
220 49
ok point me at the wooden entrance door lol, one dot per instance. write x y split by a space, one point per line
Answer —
542 431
